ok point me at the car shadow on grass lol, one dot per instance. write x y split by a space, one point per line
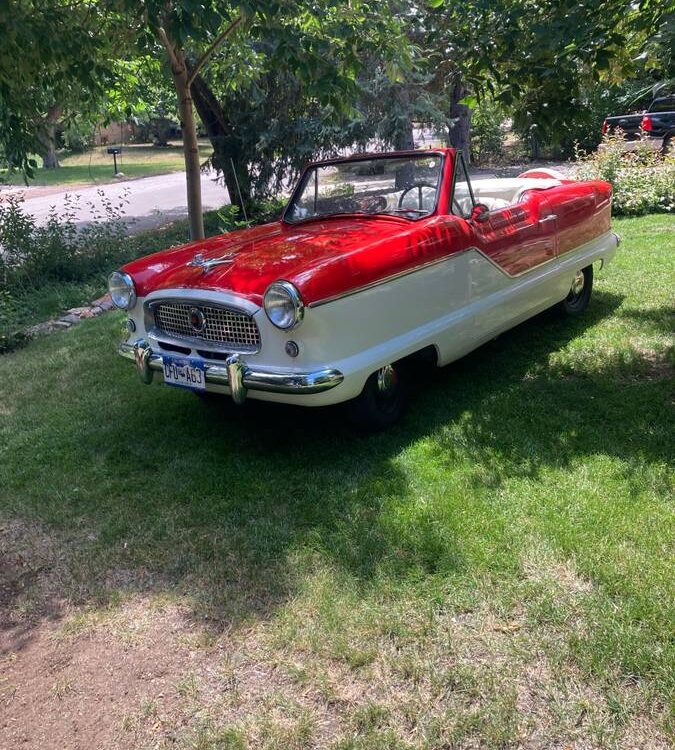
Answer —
153 492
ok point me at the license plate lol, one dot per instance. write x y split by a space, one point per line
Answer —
186 373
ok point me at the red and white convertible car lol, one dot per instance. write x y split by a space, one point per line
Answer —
376 259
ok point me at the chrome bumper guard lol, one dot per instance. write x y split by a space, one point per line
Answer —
237 375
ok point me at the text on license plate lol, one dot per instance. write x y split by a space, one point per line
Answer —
184 372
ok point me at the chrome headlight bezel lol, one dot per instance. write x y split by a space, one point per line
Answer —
283 305
122 290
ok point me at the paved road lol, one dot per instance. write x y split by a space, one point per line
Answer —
152 201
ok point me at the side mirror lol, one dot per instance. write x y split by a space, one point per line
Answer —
480 213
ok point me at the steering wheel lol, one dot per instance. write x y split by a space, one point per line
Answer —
375 205
418 187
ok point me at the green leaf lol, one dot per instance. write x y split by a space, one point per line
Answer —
470 101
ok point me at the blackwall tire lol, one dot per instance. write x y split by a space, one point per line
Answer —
579 295
383 400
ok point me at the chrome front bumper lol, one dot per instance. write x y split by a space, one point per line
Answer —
237 375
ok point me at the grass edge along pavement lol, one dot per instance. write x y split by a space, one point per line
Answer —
33 311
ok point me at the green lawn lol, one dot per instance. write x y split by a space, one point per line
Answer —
96 166
497 571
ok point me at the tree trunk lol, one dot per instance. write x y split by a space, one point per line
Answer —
238 185
534 140
404 140
403 136
161 128
190 145
227 156
47 137
459 127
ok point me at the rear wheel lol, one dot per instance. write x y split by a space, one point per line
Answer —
383 399
580 293
668 148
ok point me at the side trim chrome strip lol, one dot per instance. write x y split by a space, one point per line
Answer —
560 258
409 271
387 279
515 275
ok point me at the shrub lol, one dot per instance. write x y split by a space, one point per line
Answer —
258 212
32 255
576 118
45 269
78 136
487 137
643 181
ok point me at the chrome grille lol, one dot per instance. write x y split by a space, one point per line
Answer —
223 326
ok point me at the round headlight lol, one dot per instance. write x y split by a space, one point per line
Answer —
283 305
122 290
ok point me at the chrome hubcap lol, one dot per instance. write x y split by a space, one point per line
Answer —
578 283
386 379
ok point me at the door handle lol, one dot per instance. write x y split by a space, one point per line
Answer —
550 217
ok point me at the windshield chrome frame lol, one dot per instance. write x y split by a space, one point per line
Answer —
459 160
417 154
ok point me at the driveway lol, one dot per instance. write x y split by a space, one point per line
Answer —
152 201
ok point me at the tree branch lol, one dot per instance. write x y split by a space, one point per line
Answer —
169 48
203 59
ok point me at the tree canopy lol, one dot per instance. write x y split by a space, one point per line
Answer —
275 82
52 52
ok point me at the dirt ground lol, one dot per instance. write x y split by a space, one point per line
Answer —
136 674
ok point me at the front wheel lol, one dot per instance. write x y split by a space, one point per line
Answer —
383 399
580 293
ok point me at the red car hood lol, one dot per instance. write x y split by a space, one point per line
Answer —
321 258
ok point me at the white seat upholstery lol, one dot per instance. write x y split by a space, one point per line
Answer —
543 172
493 203
499 193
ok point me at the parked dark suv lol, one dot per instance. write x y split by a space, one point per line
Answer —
657 124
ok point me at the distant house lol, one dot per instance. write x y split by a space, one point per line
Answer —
157 130
116 132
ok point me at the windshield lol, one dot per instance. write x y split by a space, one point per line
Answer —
400 186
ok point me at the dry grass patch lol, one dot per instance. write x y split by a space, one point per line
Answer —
147 674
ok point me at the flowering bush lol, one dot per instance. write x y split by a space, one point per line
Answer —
643 180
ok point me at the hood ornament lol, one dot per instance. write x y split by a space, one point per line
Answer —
199 261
